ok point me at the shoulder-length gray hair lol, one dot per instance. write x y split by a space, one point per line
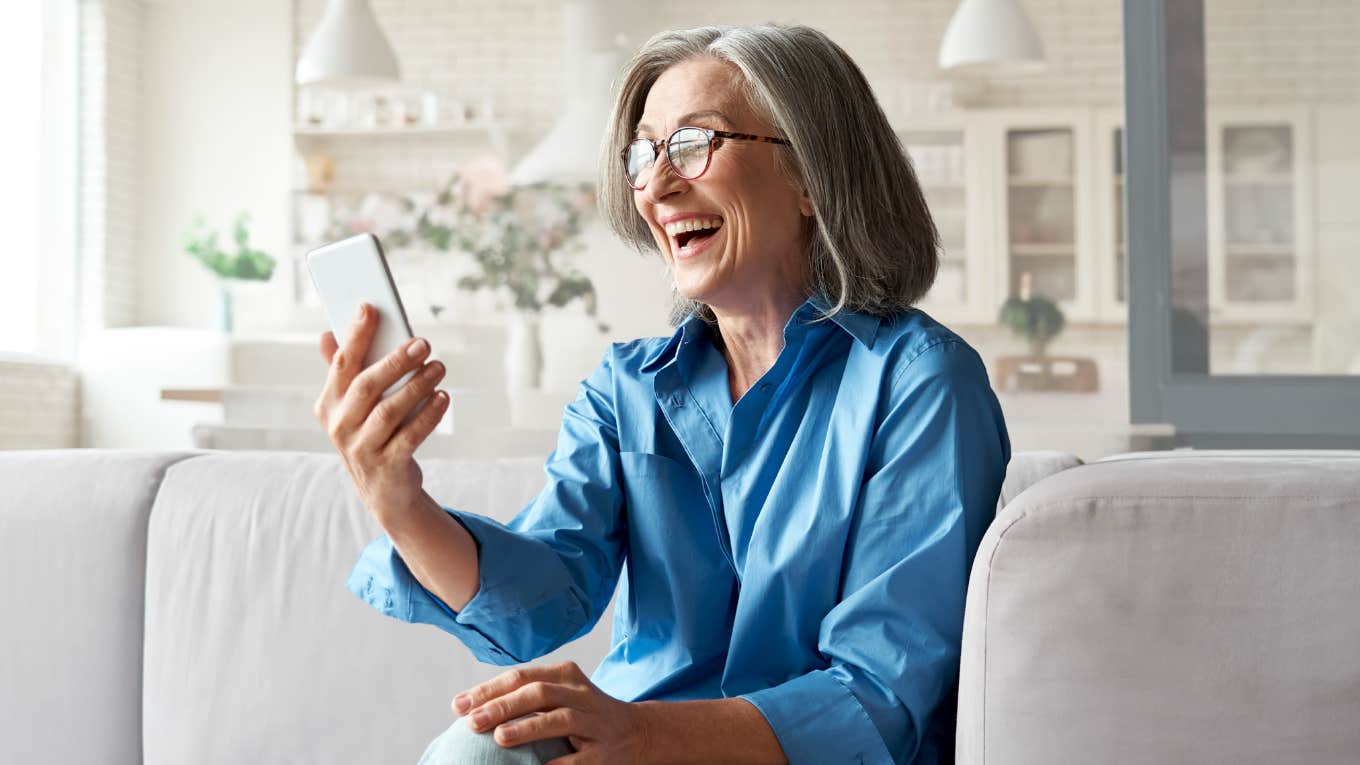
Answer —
873 246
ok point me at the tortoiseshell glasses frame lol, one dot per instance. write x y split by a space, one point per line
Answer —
682 151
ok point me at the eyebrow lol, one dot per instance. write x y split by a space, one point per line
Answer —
686 119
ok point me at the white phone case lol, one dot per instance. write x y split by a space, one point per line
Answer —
353 271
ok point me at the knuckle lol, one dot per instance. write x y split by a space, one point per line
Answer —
516 677
571 717
383 416
362 386
537 692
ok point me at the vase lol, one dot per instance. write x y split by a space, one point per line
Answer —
225 309
524 353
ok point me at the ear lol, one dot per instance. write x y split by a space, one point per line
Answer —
805 205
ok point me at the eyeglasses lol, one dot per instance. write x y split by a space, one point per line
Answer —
689 150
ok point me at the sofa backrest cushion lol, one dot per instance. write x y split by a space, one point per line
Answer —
1169 608
256 652
73 529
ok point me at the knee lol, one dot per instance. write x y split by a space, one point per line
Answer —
459 745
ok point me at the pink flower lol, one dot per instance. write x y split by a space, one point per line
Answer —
481 182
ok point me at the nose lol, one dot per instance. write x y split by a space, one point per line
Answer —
664 181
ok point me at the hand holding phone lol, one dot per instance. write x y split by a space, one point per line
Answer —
377 407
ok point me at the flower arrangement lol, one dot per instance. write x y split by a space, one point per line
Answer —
521 237
246 264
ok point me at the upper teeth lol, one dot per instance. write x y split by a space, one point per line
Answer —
693 224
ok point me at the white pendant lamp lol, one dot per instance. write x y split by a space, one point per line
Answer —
570 152
348 49
991 35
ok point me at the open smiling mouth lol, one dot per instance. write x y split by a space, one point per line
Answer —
690 236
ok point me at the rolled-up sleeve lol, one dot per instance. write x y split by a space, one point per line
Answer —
892 641
545 577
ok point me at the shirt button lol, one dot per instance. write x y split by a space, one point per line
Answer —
765 387
677 400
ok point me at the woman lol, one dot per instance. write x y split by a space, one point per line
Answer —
789 490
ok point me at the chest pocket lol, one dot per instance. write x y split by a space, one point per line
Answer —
677 584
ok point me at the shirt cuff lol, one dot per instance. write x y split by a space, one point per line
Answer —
497 624
818 721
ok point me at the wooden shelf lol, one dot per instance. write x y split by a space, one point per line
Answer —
1043 249
1260 249
1259 179
1039 180
203 395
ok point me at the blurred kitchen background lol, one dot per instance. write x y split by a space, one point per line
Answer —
168 163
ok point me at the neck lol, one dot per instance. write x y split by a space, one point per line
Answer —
752 338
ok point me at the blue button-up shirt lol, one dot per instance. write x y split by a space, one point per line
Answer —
806 549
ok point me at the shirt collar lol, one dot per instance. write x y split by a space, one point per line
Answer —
863 327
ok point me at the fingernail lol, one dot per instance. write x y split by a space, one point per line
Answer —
461 702
363 307
480 717
416 348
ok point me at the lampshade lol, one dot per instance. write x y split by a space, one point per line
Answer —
348 49
570 152
991 34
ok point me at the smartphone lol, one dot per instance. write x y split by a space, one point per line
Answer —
353 271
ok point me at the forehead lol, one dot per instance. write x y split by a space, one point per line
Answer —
697 85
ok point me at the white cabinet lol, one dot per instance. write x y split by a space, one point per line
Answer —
949 155
1045 184
1110 249
1043 194
1260 220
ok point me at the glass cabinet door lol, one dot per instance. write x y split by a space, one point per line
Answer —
1041 212
1257 186
938 158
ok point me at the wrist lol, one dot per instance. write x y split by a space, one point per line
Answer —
395 518
651 732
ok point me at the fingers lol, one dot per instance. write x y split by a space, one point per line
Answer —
557 723
413 433
537 696
368 386
508 681
328 346
394 411
349 360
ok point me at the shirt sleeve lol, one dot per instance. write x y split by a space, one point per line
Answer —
547 575
892 642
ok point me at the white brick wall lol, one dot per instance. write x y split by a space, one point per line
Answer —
109 187
39 406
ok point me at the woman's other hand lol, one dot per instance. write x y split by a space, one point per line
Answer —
368 430
600 727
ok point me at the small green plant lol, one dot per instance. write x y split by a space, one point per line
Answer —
245 263
1037 319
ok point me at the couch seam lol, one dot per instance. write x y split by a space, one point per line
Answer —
986 624
146 538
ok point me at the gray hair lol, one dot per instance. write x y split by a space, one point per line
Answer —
873 246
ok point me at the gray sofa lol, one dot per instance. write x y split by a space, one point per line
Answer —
189 607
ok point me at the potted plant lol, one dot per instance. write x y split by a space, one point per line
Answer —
243 265
1039 320
522 239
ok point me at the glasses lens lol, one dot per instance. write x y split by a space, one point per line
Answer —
638 161
688 151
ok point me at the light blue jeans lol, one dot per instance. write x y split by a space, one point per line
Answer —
460 746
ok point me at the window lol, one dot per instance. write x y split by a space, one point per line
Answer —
38 152
1243 230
